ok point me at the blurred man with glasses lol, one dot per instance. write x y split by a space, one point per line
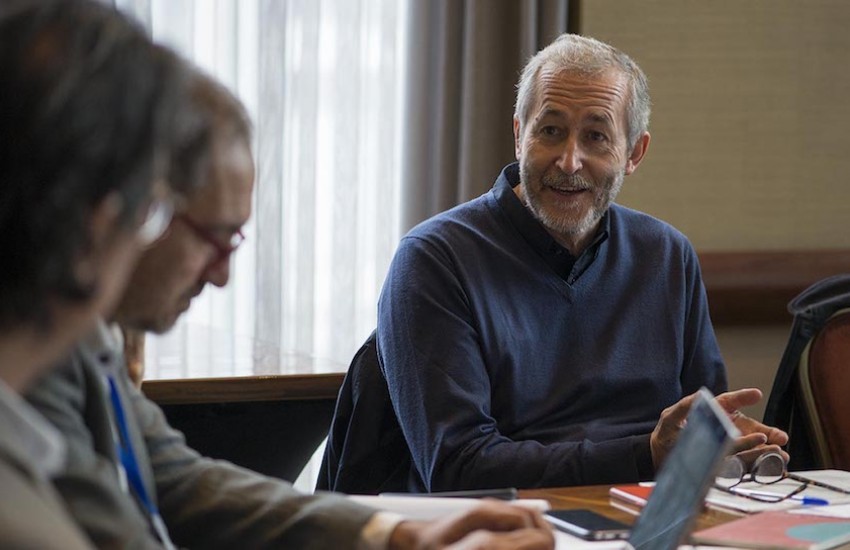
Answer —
86 106
196 251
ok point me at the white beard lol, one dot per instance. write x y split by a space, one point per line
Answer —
563 223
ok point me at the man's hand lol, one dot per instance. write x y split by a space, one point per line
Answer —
756 438
491 525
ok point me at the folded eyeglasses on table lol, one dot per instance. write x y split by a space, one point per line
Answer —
768 469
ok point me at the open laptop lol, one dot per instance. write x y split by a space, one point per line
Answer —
687 474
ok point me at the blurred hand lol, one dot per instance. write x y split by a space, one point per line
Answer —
491 525
756 438
134 354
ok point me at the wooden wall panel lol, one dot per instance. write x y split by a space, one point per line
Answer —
750 288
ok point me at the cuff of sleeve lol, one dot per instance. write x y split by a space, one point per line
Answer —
643 457
376 533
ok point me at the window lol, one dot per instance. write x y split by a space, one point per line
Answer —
322 82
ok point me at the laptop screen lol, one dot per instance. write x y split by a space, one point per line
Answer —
685 477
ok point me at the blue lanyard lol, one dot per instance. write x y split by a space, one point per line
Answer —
124 447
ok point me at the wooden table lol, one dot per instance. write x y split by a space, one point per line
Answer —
235 389
595 497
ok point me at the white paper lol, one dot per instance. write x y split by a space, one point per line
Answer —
427 508
564 541
832 511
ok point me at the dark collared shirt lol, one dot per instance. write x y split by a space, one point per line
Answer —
567 266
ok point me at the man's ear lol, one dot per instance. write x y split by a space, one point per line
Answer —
104 220
638 151
517 139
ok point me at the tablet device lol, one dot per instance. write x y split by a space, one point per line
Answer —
685 476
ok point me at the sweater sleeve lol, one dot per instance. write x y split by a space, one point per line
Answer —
703 364
440 387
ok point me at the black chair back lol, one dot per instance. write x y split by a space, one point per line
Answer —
366 451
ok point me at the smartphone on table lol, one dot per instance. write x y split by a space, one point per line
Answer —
587 524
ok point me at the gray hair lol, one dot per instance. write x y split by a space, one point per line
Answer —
586 57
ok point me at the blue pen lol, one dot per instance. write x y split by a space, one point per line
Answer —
811 501
806 501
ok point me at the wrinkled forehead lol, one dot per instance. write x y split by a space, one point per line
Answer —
606 91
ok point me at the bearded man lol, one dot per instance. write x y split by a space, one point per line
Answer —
541 335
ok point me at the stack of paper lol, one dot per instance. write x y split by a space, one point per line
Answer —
728 502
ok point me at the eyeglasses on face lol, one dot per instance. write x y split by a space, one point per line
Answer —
768 469
223 251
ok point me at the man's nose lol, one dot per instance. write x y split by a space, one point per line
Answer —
570 161
218 273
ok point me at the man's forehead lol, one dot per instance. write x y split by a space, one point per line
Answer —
609 84
225 200
603 95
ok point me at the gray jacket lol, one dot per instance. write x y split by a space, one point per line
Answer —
205 503
32 515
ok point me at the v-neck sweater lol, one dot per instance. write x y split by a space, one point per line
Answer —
510 363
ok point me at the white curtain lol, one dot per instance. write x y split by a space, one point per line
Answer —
322 82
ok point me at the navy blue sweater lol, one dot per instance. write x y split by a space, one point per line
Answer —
509 363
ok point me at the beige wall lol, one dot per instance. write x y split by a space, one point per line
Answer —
750 146
752 355
751 109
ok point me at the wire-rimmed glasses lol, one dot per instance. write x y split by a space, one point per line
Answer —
768 469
